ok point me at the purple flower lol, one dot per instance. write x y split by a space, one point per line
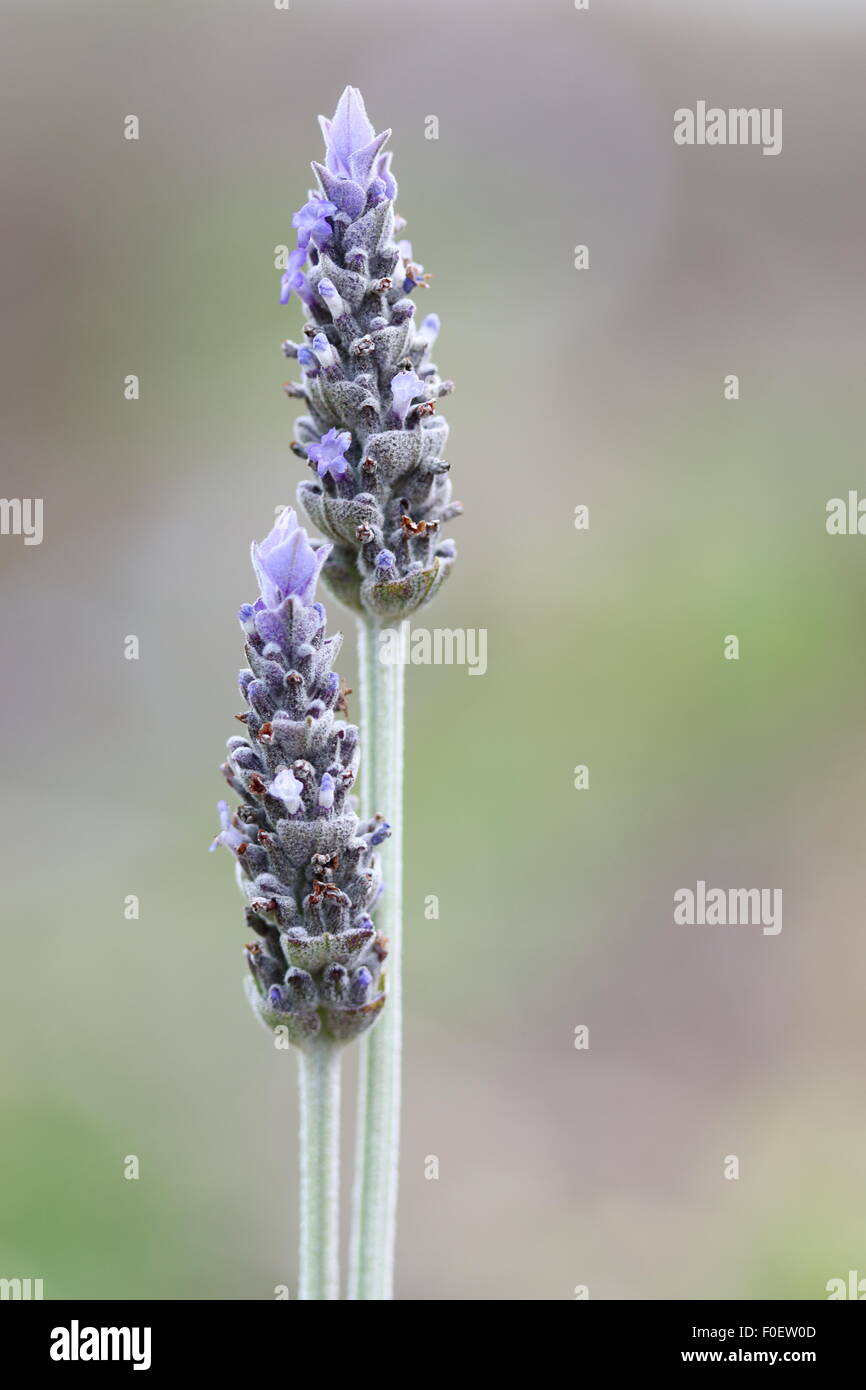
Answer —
329 453
376 193
405 386
247 616
351 143
331 295
311 224
326 791
413 272
291 275
361 984
286 788
229 835
429 330
325 354
285 563
381 834
383 172
386 565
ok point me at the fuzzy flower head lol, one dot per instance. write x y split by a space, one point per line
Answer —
373 435
329 455
285 563
352 146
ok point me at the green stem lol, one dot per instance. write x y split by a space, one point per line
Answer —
319 1076
374 1215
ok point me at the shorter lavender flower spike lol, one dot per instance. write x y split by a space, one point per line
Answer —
286 563
329 454
405 386
303 860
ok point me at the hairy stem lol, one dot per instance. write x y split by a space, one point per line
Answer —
374 1215
319 1077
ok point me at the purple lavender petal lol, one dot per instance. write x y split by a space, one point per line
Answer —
349 131
285 562
329 453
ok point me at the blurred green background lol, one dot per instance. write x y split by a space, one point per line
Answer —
558 1167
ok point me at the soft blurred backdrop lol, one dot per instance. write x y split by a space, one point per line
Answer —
558 1167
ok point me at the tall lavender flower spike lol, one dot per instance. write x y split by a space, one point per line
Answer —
367 379
308 867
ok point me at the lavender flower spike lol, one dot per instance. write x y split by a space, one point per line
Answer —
308 867
370 380
380 495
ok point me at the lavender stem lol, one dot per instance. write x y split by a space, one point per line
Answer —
319 1077
374 1215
